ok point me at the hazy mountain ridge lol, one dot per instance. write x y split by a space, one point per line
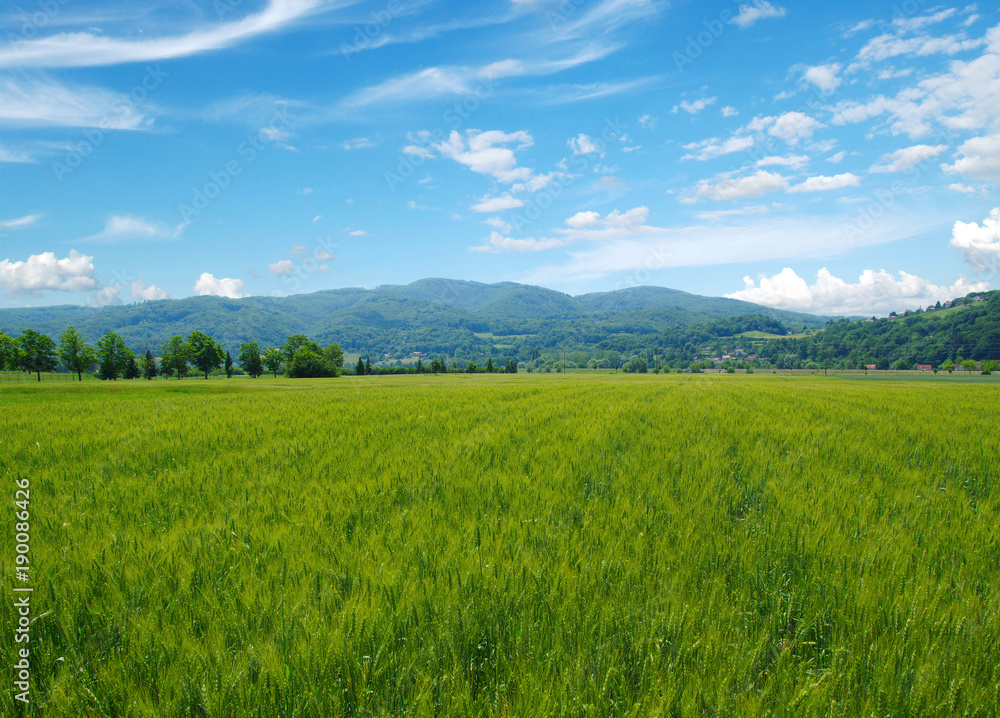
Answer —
443 312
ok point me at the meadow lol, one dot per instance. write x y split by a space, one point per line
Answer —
507 545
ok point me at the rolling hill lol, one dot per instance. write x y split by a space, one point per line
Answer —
430 315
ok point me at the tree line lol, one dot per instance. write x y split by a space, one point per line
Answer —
35 353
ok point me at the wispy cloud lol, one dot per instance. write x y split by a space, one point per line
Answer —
88 49
20 223
42 101
119 228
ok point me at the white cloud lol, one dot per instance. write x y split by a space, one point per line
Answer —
44 271
583 145
874 292
19 223
581 220
497 204
647 121
282 267
822 183
885 46
317 218
499 224
837 158
322 255
484 152
981 158
755 185
141 293
581 227
693 108
729 111
793 161
33 102
824 77
358 233
979 245
208 285
106 297
907 158
499 243
759 10
358 143
417 151
87 49
124 227
794 126
712 148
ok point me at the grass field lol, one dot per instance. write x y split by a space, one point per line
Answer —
508 545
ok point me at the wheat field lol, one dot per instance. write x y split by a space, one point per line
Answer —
508 545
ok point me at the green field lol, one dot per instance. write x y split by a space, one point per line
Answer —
507 545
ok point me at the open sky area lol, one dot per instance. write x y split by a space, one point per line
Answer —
834 158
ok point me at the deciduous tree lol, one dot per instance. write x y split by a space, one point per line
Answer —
113 356
37 353
273 359
205 353
174 357
251 361
73 352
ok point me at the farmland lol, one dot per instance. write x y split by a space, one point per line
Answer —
509 545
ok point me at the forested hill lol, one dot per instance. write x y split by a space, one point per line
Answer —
435 316
968 327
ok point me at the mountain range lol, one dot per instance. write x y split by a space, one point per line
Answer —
430 315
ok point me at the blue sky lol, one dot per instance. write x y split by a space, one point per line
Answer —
825 157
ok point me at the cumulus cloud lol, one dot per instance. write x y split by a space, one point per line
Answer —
822 183
282 267
793 161
73 273
824 77
712 148
873 293
961 99
794 126
979 244
693 108
981 158
485 153
106 297
755 185
583 145
907 158
499 224
581 220
759 10
141 293
497 204
208 285
499 243
581 227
